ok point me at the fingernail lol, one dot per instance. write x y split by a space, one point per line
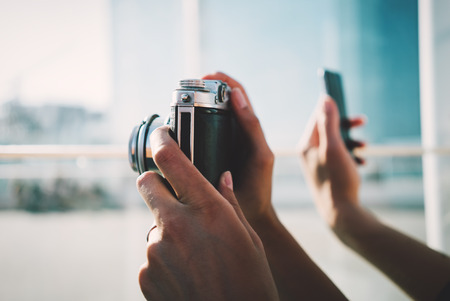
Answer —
240 99
228 180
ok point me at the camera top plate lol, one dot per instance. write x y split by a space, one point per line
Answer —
202 93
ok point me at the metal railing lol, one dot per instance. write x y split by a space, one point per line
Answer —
63 151
121 151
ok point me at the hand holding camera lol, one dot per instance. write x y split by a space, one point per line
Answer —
213 123
202 247
253 173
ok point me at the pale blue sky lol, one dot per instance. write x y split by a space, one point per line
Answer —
55 50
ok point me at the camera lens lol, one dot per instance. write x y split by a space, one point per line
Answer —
132 148
139 151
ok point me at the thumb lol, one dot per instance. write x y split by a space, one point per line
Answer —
329 125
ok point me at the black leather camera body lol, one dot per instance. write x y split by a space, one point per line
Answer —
202 123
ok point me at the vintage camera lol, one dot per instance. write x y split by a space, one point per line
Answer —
201 121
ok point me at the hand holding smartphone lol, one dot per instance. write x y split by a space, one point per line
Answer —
332 85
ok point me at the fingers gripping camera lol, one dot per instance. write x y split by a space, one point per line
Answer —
201 122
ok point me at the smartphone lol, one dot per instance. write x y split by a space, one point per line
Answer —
332 85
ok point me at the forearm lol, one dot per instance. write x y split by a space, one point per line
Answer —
418 270
297 277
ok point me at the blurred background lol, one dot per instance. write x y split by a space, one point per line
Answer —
83 73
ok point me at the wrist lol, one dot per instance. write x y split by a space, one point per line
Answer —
265 220
352 222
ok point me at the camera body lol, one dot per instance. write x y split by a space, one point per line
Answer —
202 123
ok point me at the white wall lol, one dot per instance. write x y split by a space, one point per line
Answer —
435 107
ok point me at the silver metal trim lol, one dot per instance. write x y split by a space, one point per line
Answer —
190 110
213 94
